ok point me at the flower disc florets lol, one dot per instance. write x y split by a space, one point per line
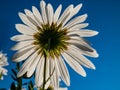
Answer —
51 39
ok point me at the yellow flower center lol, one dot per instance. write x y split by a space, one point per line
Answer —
51 39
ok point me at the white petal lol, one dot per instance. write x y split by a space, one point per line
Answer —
87 50
22 44
55 76
24 29
22 37
37 14
83 47
77 67
52 72
65 14
26 21
33 65
39 75
43 11
31 17
57 67
90 54
76 20
74 11
51 66
3 59
62 89
23 54
80 58
26 65
78 40
87 33
47 74
2 62
3 71
50 13
63 71
77 27
57 13
55 80
39 72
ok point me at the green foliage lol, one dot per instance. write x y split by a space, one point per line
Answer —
16 79
30 86
50 88
0 75
13 87
19 80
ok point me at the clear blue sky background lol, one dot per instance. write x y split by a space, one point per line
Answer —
103 16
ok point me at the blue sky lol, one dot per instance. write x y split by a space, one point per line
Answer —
103 16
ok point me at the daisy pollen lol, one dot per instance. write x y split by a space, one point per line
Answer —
60 36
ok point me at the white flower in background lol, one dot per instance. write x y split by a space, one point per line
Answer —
62 89
58 35
3 62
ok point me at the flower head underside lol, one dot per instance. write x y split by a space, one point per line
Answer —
51 39
58 35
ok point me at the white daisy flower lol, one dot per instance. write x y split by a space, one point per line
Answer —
3 62
57 36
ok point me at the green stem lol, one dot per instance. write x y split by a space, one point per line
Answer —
50 75
19 79
0 75
44 79
45 66
20 83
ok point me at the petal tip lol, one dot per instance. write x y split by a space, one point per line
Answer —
12 38
86 15
97 32
18 75
42 2
19 14
68 83
80 5
94 68
97 55
84 74
33 7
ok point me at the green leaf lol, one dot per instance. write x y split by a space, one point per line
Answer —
30 86
18 66
14 72
13 86
49 88
14 78
0 75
